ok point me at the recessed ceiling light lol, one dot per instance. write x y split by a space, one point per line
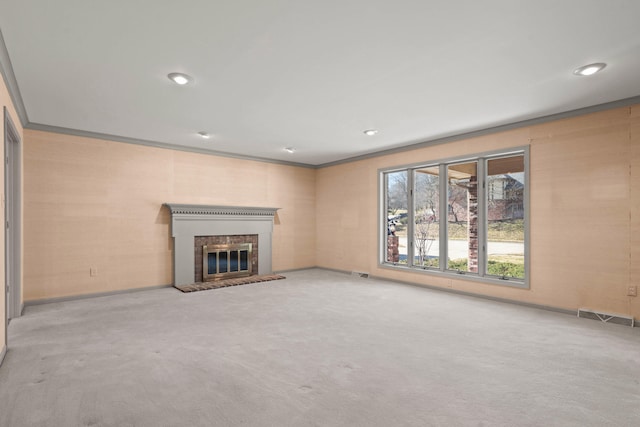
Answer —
370 132
180 78
290 150
204 134
590 69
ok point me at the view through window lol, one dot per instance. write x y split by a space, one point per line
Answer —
458 217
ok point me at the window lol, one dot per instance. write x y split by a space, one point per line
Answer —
396 197
459 216
426 216
462 223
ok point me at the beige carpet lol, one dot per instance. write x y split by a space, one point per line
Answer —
204 286
318 349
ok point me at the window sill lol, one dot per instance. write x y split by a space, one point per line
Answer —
472 277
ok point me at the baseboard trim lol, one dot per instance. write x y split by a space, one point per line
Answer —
292 270
349 273
335 270
94 295
482 296
465 293
3 353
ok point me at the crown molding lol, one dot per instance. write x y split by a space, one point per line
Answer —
6 69
487 131
413 146
157 144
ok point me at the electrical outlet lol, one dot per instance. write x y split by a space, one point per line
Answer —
632 291
93 272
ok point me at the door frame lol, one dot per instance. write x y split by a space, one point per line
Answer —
12 210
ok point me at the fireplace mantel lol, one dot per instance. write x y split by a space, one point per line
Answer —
189 221
182 209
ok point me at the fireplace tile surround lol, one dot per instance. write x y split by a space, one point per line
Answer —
190 221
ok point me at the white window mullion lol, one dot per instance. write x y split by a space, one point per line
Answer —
444 217
525 205
482 217
410 218
384 223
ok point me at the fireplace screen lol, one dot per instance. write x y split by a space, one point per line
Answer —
226 261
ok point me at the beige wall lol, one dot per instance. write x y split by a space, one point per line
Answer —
90 203
585 209
97 204
634 208
5 101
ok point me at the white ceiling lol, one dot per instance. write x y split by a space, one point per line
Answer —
314 74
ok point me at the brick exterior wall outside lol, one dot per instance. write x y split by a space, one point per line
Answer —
200 241
393 253
472 203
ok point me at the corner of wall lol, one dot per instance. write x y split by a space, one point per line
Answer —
3 353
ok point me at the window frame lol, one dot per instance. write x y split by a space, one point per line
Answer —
483 197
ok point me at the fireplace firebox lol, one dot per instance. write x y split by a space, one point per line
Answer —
226 261
225 256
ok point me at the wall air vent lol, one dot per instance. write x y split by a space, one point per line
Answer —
620 319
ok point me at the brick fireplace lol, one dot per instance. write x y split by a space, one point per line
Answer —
208 252
200 225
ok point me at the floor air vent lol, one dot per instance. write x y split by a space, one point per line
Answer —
360 274
619 319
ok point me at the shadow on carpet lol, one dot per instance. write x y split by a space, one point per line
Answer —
205 286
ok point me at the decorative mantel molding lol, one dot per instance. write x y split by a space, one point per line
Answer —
188 221
183 209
